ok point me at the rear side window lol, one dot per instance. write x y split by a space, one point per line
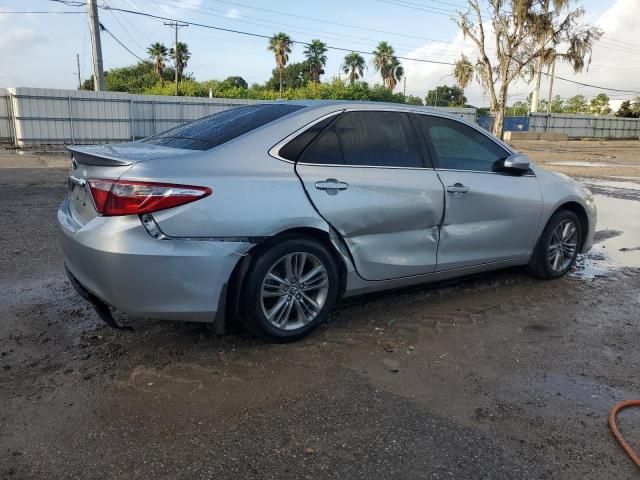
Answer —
460 147
293 149
216 129
368 138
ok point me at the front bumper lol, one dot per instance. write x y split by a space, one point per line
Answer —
592 214
116 260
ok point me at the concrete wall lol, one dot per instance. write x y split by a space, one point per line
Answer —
41 116
585 126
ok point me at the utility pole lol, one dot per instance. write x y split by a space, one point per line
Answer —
96 46
176 26
404 90
553 71
79 78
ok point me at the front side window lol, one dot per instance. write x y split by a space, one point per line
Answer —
367 138
460 147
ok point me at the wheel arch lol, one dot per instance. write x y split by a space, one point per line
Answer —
238 275
581 213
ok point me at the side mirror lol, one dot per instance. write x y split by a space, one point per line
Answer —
517 161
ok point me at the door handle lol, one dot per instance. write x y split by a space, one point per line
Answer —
457 188
331 185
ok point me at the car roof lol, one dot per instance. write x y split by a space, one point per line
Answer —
368 105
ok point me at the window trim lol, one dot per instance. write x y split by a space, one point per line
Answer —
425 155
435 161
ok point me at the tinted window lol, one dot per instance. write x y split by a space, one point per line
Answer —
216 129
325 149
378 138
458 146
293 149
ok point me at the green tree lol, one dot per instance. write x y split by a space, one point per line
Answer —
521 34
186 88
354 66
316 54
294 75
131 79
181 56
387 64
158 54
445 96
625 110
463 73
600 104
233 82
413 100
518 109
576 104
280 44
557 104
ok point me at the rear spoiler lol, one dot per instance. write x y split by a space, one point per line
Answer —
97 155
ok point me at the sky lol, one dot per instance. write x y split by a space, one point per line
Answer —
39 50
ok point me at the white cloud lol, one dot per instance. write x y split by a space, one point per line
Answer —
232 13
614 64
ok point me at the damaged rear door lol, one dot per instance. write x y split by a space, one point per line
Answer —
371 179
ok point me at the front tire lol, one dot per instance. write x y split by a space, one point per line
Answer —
290 289
557 249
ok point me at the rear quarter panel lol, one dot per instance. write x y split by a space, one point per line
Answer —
253 195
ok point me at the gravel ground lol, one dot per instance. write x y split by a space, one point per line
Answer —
494 376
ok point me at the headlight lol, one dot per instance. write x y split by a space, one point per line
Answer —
588 199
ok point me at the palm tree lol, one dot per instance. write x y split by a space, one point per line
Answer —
354 66
158 54
181 55
386 63
635 106
280 44
396 73
316 58
463 73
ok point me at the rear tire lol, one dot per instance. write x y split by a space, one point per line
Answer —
290 289
557 249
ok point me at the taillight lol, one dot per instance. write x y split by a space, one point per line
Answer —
130 197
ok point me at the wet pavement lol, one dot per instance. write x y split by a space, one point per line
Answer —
494 376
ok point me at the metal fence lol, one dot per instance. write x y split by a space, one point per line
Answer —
585 126
39 116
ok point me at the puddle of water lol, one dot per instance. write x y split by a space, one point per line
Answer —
19 151
573 163
623 250
625 185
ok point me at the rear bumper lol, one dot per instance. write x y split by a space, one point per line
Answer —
115 259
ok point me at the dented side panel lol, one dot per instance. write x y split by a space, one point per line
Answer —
496 219
389 217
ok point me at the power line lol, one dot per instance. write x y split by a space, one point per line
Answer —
329 22
222 14
257 35
43 11
104 29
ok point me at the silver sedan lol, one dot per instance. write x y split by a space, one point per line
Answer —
271 213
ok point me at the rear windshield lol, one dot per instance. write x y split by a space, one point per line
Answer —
216 129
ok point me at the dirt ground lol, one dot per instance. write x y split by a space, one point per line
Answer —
494 376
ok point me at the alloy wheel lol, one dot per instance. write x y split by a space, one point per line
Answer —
562 245
294 290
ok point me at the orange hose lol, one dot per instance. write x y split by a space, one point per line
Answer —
614 427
